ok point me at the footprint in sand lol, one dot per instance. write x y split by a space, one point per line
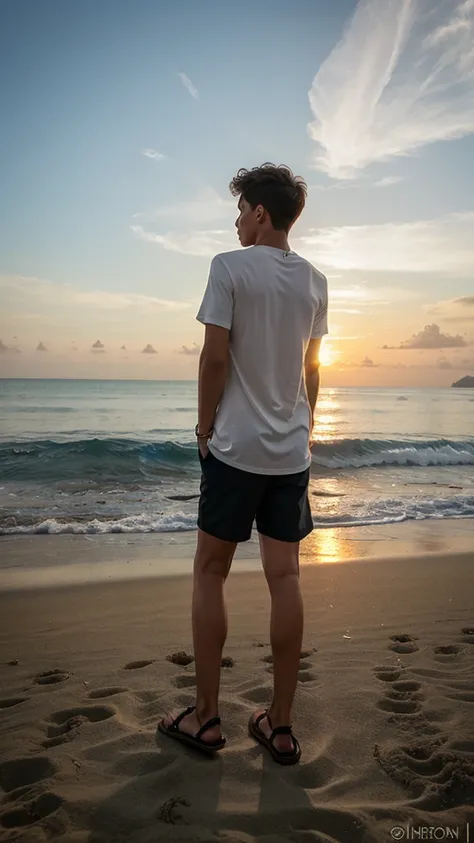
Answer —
387 673
431 771
307 676
51 677
64 723
9 702
40 808
93 713
448 650
138 664
21 772
400 696
186 680
403 644
100 693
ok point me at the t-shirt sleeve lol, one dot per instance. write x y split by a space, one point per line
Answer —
217 306
320 318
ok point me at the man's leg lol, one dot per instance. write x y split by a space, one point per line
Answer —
209 620
211 568
281 566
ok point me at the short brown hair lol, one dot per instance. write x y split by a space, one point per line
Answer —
281 193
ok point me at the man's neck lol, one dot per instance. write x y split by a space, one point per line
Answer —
275 239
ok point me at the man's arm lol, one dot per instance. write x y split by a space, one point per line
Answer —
213 369
311 373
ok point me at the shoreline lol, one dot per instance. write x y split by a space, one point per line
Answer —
45 561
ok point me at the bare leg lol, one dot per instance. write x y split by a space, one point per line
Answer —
209 619
281 566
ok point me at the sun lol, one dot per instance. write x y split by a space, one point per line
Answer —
327 354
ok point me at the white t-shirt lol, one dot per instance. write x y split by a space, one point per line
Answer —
272 302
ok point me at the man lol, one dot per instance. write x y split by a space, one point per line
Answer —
265 312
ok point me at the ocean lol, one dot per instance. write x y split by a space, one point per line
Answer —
85 456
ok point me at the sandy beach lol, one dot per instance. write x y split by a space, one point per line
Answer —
384 708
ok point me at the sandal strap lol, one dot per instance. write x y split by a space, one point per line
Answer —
261 717
214 721
281 730
188 710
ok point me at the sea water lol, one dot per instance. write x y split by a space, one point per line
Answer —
87 456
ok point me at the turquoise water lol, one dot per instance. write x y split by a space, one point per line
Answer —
120 456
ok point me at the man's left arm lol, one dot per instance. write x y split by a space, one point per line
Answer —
216 313
213 369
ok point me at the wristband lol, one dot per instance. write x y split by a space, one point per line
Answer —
203 435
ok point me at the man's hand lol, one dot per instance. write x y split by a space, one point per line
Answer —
203 447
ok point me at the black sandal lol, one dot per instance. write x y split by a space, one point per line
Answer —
285 758
194 740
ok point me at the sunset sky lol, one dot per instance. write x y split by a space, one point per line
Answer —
123 123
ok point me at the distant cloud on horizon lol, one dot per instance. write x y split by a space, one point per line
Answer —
189 85
401 77
41 347
149 350
9 349
194 350
430 338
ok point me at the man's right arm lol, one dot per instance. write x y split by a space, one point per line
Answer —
311 373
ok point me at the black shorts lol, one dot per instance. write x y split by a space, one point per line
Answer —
231 499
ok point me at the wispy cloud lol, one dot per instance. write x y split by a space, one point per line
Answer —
453 310
189 85
443 245
153 154
26 298
199 243
388 181
400 77
205 207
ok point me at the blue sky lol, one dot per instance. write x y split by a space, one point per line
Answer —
124 123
